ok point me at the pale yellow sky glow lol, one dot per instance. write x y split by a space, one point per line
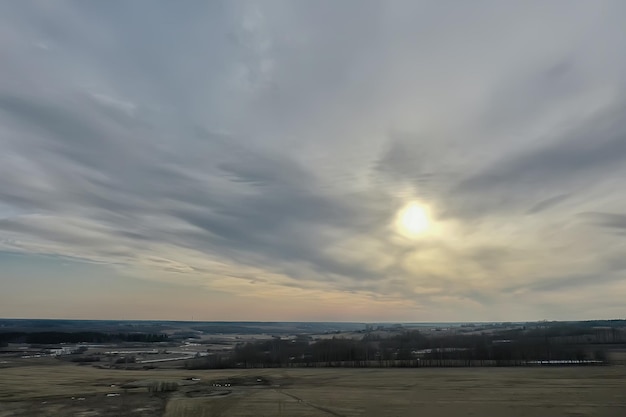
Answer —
322 160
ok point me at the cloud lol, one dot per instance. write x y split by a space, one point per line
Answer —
608 220
547 203
240 149
580 157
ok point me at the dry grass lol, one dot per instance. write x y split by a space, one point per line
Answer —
484 392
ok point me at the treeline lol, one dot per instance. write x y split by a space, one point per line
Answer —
570 333
51 338
410 348
417 363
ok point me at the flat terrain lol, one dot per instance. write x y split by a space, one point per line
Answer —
51 388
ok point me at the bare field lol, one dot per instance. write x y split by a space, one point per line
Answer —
67 390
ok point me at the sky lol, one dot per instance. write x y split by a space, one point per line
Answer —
359 160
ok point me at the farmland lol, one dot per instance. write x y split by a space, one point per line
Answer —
48 387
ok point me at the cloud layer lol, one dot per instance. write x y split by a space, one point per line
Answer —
262 151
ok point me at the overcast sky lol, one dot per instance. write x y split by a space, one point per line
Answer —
248 160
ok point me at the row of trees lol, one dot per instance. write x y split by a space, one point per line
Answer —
51 338
408 347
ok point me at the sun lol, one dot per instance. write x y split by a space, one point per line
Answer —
413 220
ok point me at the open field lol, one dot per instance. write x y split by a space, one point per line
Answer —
47 390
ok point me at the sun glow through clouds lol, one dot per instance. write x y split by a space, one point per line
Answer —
413 220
